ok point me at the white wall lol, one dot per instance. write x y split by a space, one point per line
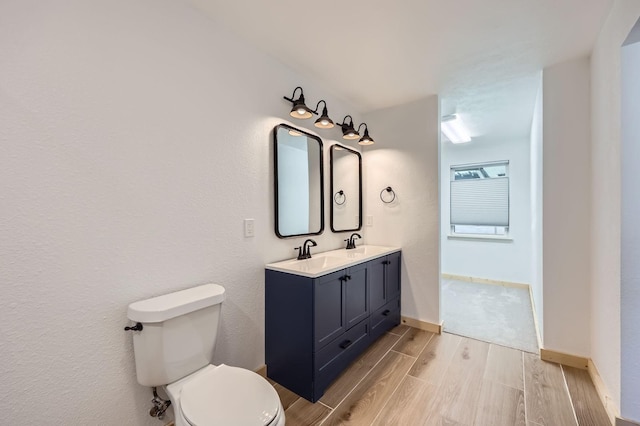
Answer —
502 260
566 201
135 137
630 233
605 194
535 157
405 157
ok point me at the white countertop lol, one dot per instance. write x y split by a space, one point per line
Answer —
330 261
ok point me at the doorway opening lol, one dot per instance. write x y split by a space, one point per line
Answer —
491 207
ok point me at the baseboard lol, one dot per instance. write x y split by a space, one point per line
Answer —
536 325
422 325
603 393
623 422
483 281
262 371
564 359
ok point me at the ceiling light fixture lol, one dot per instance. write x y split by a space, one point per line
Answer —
324 122
454 129
348 132
300 109
366 139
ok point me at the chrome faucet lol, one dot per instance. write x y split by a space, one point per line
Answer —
304 251
351 241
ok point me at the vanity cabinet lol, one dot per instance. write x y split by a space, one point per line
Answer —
340 302
315 327
384 290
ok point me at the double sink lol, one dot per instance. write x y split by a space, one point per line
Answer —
330 261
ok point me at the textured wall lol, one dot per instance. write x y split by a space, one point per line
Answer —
630 234
535 158
605 194
134 139
406 157
566 166
499 259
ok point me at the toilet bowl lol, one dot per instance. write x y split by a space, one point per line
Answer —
173 342
224 395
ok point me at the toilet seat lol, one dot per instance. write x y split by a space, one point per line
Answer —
226 395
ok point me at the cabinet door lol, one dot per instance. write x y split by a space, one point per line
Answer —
392 275
356 296
329 307
376 279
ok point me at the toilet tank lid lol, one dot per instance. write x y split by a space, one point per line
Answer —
171 305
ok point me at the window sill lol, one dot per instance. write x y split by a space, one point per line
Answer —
480 237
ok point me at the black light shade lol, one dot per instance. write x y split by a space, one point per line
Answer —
366 139
300 109
348 132
324 122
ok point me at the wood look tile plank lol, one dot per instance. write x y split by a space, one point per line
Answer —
545 393
459 392
586 402
410 404
413 342
433 361
287 398
500 405
440 420
305 413
504 366
357 370
365 402
399 329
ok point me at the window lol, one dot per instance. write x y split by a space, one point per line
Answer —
480 198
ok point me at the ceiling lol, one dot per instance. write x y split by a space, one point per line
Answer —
482 57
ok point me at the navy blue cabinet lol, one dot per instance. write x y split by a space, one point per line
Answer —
315 327
384 289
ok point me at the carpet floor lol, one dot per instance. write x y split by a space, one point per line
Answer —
491 313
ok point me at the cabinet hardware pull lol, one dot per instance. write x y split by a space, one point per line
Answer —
386 262
346 344
348 277
386 313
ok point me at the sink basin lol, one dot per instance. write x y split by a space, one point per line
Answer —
330 261
315 264
367 251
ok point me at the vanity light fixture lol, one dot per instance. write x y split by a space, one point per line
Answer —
348 132
300 109
324 122
366 139
454 129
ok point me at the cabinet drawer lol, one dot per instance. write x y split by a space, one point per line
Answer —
385 318
336 356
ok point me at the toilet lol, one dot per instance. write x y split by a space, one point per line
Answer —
174 349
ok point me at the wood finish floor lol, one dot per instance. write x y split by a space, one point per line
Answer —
413 377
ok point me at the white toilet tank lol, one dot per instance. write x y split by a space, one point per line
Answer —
178 335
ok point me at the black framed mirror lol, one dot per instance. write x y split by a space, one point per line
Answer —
346 189
299 177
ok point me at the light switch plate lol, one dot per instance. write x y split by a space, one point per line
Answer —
369 220
249 228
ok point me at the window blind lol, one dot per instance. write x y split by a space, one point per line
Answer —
480 202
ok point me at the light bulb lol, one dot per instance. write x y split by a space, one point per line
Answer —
301 111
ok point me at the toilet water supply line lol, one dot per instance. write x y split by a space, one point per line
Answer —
159 405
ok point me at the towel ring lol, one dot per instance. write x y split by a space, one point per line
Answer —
389 190
340 196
